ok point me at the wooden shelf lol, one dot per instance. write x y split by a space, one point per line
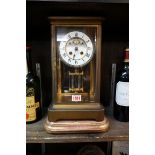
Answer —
35 133
83 1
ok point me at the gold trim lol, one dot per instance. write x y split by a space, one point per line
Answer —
127 49
91 78
69 94
75 73
54 64
92 106
126 60
76 20
78 90
59 76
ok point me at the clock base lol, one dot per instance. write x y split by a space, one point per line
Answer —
80 126
89 111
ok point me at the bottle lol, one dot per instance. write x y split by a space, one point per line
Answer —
121 103
33 106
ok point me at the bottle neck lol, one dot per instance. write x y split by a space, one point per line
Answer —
126 65
126 59
29 60
126 56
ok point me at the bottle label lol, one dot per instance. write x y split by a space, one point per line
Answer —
122 93
31 105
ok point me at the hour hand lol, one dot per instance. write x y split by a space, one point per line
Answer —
73 56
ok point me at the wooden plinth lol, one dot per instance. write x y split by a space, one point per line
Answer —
81 126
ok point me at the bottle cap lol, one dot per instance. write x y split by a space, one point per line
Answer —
126 49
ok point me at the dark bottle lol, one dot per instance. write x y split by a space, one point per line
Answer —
33 106
121 103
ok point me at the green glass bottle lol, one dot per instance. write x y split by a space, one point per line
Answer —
121 103
33 105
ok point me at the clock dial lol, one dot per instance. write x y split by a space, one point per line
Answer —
76 49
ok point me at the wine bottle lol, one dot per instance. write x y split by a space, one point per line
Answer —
33 106
121 103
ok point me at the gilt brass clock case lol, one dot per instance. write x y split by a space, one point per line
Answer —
76 84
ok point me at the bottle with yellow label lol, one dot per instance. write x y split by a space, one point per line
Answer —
33 106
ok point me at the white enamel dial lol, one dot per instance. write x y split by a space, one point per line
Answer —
76 49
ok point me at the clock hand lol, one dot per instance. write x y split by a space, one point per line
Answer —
76 48
73 56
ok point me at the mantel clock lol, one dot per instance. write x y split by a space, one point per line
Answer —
76 68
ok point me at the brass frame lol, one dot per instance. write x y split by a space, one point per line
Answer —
89 108
74 22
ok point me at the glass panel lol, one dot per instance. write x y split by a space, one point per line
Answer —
75 80
76 59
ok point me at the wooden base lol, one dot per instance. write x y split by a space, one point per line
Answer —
81 126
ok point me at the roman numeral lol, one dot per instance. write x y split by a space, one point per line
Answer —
76 34
63 48
89 48
69 36
87 55
76 62
87 41
69 60
64 54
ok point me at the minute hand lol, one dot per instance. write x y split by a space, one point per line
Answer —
73 56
